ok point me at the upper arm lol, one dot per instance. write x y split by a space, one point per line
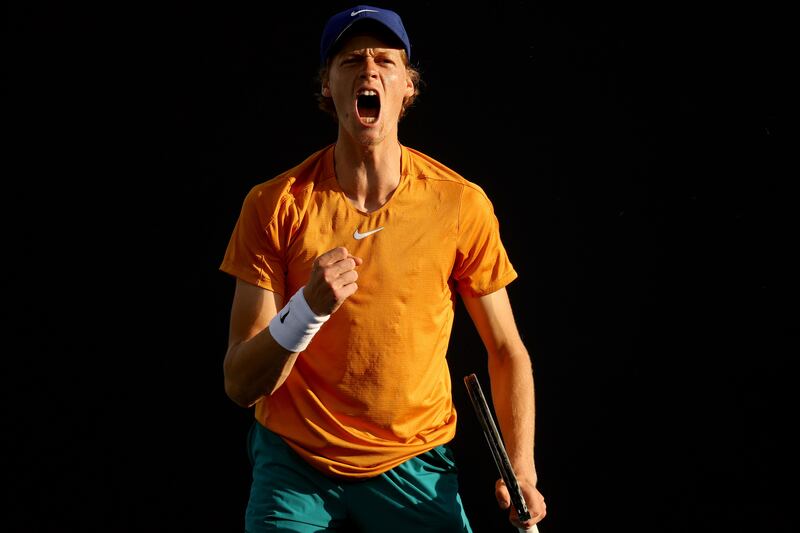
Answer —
253 308
494 320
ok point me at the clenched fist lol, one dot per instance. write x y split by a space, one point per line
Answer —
332 281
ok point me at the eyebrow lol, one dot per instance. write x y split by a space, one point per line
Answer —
363 52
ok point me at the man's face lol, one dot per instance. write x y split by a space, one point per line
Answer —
368 82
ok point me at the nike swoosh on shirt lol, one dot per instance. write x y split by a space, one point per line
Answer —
358 236
354 13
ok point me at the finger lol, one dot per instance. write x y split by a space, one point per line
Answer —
332 274
332 256
346 279
538 509
515 521
501 494
348 290
527 525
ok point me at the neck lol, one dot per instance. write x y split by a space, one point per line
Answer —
368 175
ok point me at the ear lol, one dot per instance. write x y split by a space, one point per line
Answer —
326 91
409 87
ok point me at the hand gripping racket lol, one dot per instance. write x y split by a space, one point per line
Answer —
498 449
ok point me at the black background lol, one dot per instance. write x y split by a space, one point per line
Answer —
638 160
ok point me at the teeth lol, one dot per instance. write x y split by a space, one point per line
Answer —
369 120
367 92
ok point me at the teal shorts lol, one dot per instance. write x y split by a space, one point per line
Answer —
287 494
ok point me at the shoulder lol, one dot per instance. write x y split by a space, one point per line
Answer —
281 192
426 167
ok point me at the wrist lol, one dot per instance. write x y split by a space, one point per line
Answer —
296 324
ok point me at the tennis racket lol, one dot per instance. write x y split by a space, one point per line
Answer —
499 453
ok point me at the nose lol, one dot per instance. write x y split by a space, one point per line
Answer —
369 70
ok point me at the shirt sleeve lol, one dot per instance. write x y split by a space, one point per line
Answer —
482 264
254 249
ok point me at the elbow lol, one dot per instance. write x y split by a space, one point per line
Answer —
510 352
511 358
241 392
234 388
236 394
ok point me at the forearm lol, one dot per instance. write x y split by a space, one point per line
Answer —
263 352
513 400
256 368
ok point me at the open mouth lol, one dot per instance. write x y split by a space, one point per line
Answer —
368 105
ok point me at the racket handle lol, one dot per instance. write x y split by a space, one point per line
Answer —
532 529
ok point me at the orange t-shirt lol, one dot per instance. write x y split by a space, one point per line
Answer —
373 387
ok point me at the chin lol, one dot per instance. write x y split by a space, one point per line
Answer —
370 136
371 140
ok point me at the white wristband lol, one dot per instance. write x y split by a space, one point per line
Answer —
296 324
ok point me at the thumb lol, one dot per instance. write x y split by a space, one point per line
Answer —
502 495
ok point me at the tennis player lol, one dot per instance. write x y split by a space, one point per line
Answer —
347 268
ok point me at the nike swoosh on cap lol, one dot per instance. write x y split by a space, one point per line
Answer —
354 13
358 236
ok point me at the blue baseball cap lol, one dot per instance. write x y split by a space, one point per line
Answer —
339 23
